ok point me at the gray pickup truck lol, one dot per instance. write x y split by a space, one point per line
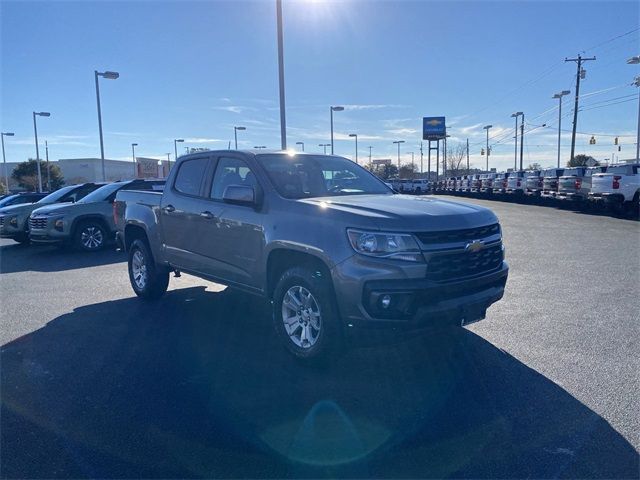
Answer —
331 246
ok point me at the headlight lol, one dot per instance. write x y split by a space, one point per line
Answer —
398 246
13 221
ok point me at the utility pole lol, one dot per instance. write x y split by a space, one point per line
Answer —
521 140
579 61
467 155
421 158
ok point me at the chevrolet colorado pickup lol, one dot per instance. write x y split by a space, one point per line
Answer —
328 243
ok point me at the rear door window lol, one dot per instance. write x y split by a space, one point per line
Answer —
190 176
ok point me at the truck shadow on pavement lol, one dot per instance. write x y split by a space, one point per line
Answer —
196 385
24 258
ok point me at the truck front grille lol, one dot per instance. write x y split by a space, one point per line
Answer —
449 266
37 223
448 236
1 221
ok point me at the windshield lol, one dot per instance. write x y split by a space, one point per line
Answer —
58 194
102 193
306 176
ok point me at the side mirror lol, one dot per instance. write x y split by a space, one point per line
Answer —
240 195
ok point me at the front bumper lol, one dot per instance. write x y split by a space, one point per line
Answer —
418 302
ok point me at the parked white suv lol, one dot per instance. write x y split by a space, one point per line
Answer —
619 185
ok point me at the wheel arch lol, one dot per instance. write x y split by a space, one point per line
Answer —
280 260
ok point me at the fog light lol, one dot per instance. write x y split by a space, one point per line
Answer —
385 301
13 221
59 224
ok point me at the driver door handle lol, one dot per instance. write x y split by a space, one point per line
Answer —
207 214
169 209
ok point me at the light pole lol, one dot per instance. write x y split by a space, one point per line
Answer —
515 155
398 142
331 110
133 156
635 61
301 144
35 132
283 121
176 141
355 135
411 157
4 159
109 76
324 145
370 164
235 134
46 156
521 141
487 127
559 96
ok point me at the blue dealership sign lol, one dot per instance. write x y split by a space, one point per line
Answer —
433 128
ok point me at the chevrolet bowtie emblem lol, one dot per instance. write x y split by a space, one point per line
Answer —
434 121
475 246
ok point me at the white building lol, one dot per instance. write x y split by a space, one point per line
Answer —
78 170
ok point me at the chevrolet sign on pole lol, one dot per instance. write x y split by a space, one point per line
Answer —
433 128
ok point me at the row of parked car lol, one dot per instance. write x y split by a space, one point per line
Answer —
615 186
79 215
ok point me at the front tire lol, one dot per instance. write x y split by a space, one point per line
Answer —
305 315
148 280
90 236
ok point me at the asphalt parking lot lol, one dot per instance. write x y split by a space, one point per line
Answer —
96 383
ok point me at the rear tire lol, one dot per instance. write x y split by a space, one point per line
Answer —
305 315
148 280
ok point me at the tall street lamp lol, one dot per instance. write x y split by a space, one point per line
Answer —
109 76
331 110
559 96
398 142
324 145
133 156
46 156
301 144
4 159
35 131
235 134
370 147
515 155
355 135
487 127
283 122
635 61
176 141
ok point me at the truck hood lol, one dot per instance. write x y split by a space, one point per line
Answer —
408 213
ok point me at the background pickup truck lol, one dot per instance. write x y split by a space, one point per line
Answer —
331 246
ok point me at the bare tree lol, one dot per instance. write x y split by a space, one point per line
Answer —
456 163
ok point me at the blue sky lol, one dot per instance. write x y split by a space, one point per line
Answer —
193 70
